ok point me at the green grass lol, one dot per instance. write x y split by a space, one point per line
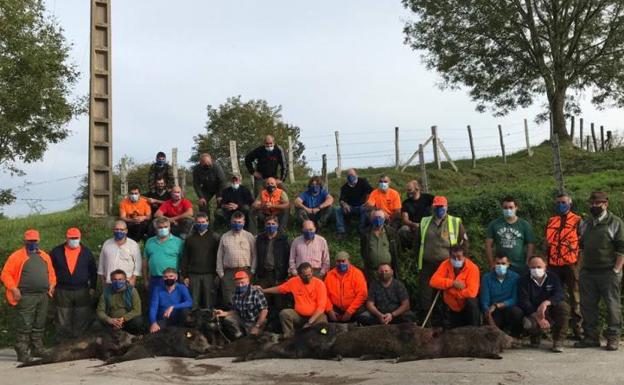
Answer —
473 194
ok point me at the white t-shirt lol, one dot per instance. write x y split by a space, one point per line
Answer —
126 257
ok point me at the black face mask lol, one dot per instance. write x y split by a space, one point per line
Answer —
306 280
270 189
596 211
169 282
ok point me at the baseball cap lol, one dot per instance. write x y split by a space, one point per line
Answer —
599 196
31 235
73 232
240 275
439 201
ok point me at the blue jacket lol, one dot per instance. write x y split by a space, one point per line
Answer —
493 291
179 298
85 272
530 295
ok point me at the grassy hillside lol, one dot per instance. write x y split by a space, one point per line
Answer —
473 195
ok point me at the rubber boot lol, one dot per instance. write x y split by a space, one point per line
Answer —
36 343
21 348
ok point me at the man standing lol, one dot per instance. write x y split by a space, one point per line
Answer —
136 212
413 210
158 197
160 170
234 198
179 210
76 280
271 201
310 300
311 248
499 297
353 197
120 253
511 236
119 307
379 245
249 309
458 279
208 181
386 199
237 252
29 279
314 204
602 258
388 301
540 297
437 234
267 159
161 252
346 290
198 266
562 248
170 303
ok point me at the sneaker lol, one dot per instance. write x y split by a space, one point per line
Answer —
613 344
557 346
587 343
536 341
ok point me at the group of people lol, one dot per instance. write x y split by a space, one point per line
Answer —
267 281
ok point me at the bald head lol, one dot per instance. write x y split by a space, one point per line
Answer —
412 188
205 159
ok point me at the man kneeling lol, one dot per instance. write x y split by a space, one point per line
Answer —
249 309
310 300
388 300
170 304
120 305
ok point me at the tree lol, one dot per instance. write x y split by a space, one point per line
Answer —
35 85
507 52
247 123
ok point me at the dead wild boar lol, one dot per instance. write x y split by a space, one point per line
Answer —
101 346
169 342
242 346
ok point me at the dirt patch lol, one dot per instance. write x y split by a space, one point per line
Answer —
181 368
309 378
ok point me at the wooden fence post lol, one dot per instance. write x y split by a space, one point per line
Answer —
502 143
581 133
609 140
397 159
324 172
526 135
339 160
472 150
291 166
423 168
174 165
123 174
602 139
234 157
587 142
436 151
593 133
572 128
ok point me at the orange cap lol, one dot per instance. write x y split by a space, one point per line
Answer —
73 232
31 235
439 201
240 275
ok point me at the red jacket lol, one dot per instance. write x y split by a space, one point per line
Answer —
443 279
346 291
12 271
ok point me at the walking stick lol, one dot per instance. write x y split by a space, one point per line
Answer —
435 299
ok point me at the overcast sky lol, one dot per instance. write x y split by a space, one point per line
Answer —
332 65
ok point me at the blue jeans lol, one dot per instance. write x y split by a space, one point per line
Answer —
356 211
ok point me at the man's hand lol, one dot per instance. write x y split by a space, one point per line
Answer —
51 291
541 310
488 318
202 201
117 323
132 280
257 175
17 294
168 312
345 207
154 328
186 281
491 309
543 324
459 285
332 316
232 206
345 317
387 318
92 293
268 205
220 313
254 331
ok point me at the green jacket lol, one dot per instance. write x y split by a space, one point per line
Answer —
116 305
601 241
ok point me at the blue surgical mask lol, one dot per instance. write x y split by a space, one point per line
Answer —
308 235
314 189
509 213
32 246
118 285
119 235
236 226
378 221
73 243
342 267
201 227
241 289
161 162
439 212
352 179
562 208
270 229
500 270
383 186
457 264
163 232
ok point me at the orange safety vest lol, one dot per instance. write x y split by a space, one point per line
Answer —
563 239
12 271
273 199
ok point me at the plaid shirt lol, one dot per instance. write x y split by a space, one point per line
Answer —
236 250
249 304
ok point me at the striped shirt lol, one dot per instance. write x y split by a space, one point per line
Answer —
236 249
126 257
316 253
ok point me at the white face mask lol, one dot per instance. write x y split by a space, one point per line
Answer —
235 186
537 272
134 197
269 148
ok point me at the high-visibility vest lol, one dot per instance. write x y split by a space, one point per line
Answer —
453 229
563 241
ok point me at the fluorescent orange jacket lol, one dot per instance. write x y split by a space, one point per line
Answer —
12 271
563 241
443 280
346 291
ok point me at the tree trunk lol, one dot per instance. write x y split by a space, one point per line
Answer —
557 104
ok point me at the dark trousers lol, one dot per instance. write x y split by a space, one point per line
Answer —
138 231
178 318
276 302
342 218
258 217
30 319
425 291
355 315
569 277
202 290
509 319
558 316
408 236
594 286
133 326
366 318
74 312
468 316
320 219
